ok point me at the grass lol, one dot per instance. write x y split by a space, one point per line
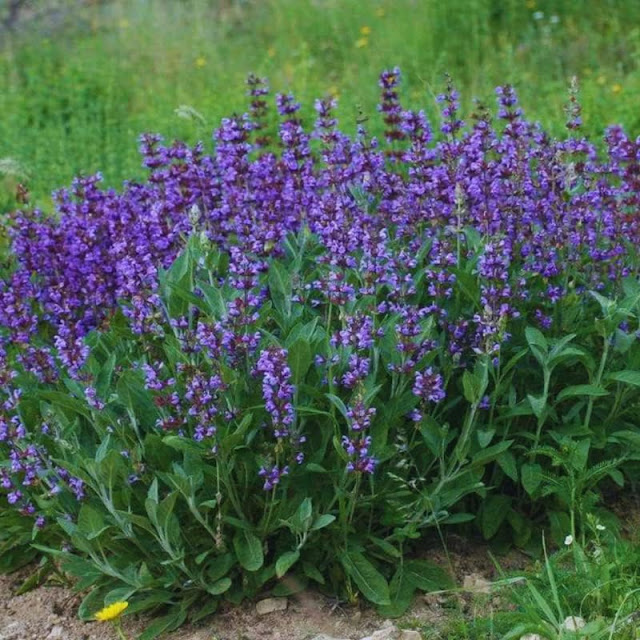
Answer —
74 98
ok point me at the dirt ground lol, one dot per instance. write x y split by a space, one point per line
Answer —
49 612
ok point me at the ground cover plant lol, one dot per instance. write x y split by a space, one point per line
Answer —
588 588
79 83
288 361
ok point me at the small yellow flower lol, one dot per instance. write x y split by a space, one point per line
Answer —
616 88
601 80
361 43
380 12
271 52
531 4
365 30
200 62
111 612
123 23
334 91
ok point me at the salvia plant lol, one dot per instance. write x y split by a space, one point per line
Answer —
285 362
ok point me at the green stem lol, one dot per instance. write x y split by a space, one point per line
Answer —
543 418
117 625
354 498
603 362
464 436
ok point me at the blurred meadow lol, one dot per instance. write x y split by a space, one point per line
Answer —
79 81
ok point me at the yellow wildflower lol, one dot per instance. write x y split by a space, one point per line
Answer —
380 12
365 30
123 23
200 62
361 43
601 80
111 612
616 88
531 4
271 52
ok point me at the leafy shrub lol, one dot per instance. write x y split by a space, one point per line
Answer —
292 362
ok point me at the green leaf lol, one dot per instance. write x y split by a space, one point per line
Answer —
322 521
626 376
67 403
538 344
219 587
590 390
103 381
401 590
494 512
219 567
167 623
490 453
311 571
427 576
536 337
137 399
338 404
207 609
299 358
120 594
368 579
248 549
475 384
458 518
531 477
315 468
386 547
538 404
507 462
470 388
280 288
91 604
304 513
286 561
215 299
617 476
91 522
485 437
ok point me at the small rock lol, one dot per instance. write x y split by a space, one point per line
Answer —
476 583
56 633
409 634
269 605
13 631
386 633
573 623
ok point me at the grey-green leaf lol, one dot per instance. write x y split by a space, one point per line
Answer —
286 561
368 579
248 548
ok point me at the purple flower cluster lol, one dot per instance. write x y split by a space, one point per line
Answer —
417 243
277 390
358 444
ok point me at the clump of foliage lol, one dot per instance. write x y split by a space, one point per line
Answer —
588 589
282 364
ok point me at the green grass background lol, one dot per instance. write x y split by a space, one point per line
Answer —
75 98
